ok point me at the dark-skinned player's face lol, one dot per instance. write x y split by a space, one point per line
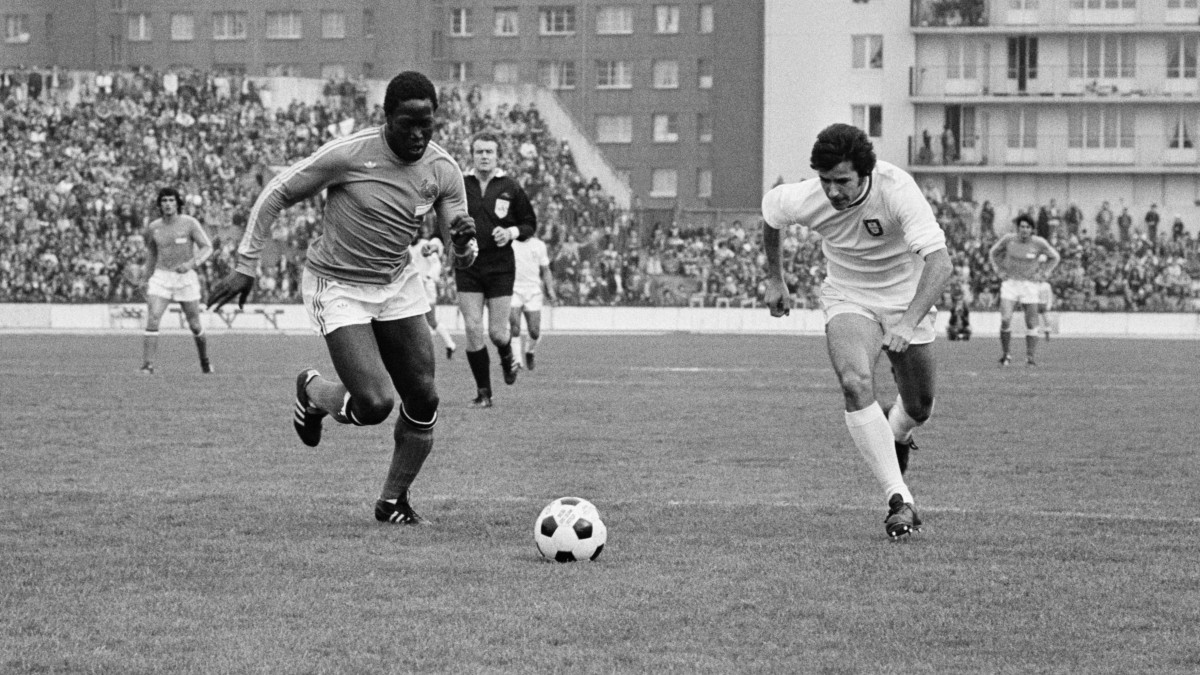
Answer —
409 128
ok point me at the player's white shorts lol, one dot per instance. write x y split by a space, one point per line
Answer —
834 302
1022 291
528 299
176 286
1045 294
334 304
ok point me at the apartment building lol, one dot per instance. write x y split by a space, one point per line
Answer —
1013 101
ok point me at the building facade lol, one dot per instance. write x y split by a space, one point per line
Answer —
664 88
1016 102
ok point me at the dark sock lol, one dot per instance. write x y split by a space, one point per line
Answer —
1005 340
481 368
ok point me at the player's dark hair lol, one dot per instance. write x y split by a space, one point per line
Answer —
1024 219
838 143
486 135
408 86
170 192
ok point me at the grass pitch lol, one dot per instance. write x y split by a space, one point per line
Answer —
174 523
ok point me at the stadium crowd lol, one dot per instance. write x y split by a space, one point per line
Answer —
77 182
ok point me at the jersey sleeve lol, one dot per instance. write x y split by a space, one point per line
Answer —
525 216
453 199
543 257
302 180
778 211
921 230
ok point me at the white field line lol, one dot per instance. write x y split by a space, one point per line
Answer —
819 506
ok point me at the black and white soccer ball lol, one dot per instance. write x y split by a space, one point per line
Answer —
569 529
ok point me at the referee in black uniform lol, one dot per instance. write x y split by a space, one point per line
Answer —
502 213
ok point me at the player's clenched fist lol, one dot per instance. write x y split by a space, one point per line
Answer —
462 236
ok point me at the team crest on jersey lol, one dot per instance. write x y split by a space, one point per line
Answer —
428 190
501 209
874 226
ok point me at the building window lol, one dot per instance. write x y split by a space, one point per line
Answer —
460 22
1101 56
458 71
867 51
706 19
666 74
704 76
556 74
506 22
869 118
368 23
613 75
1181 57
139 28
183 27
704 183
556 20
333 25
506 72
1096 128
614 129
16 28
1180 132
117 5
664 183
1022 128
704 128
666 130
666 19
229 26
284 70
284 26
333 71
614 21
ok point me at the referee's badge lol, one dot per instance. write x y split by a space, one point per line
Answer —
501 208
874 227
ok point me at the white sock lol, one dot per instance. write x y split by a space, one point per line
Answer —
531 344
444 333
516 347
873 437
902 424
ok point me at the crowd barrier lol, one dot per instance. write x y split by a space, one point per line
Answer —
292 318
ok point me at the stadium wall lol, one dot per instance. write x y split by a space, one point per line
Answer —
61 318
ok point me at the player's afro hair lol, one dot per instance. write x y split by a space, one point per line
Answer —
838 143
408 86
170 192
1024 219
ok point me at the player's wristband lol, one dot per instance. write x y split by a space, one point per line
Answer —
465 257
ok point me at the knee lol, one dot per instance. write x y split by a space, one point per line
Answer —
500 336
372 407
420 410
534 333
857 388
919 410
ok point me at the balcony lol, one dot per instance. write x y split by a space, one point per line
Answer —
1057 153
933 83
948 13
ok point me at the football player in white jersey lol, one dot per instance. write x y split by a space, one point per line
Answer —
425 254
887 265
533 272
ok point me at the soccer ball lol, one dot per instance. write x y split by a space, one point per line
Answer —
569 529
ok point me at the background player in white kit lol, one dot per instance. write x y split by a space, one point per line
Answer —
176 244
533 271
886 265
425 255
1023 262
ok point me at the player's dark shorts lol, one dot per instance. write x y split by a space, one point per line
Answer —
492 275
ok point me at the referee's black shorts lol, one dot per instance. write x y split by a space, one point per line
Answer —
492 274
